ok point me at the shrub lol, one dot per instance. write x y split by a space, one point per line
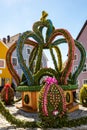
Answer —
83 95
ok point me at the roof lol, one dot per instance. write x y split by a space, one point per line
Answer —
4 44
81 30
13 39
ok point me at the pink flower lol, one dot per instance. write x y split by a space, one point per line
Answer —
55 112
50 80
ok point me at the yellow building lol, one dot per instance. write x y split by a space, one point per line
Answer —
4 72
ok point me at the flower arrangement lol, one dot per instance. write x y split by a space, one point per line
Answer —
51 99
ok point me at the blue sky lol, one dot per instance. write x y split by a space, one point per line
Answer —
17 16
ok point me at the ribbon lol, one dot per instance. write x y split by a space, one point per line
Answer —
50 80
6 89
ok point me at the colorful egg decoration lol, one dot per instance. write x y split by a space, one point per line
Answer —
51 99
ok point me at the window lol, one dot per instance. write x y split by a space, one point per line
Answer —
75 57
2 81
85 68
7 80
84 81
14 61
28 50
2 63
0 71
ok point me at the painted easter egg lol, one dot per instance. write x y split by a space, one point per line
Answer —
52 100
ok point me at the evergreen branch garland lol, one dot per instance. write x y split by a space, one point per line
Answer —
9 64
32 57
39 58
49 30
74 76
41 24
20 45
81 63
59 57
37 31
66 71
45 72
13 120
26 124
54 59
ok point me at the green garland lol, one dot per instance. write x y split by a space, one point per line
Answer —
69 87
39 58
66 71
54 59
60 122
9 64
74 76
81 63
45 72
15 121
59 57
32 58
29 88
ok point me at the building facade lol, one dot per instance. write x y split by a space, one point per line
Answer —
82 38
5 75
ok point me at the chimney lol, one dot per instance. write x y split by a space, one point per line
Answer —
8 38
4 40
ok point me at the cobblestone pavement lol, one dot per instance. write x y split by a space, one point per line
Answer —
4 125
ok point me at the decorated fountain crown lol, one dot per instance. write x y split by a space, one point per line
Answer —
32 75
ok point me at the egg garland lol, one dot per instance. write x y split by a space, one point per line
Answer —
52 100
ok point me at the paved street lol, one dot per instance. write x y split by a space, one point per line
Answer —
4 125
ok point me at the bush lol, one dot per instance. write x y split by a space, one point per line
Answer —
83 95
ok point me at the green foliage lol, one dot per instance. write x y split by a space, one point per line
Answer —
15 121
45 72
55 122
54 59
69 87
83 95
23 80
32 58
39 58
29 88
